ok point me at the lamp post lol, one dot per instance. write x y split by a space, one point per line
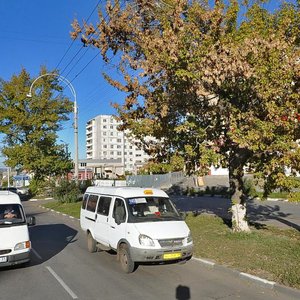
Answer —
65 80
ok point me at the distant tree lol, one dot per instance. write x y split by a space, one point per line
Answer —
217 83
30 125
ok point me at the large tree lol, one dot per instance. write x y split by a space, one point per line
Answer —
30 124
214 83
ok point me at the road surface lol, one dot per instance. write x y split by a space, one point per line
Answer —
62 268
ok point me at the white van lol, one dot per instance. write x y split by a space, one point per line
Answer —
15 244
140 224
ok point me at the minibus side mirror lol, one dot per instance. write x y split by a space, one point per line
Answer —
31 221
183 215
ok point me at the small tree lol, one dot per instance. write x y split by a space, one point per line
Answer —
30 124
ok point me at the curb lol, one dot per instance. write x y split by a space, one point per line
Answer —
59 213
248 277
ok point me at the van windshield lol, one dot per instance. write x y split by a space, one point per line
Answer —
145 209
11 214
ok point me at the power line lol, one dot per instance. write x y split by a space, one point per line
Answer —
84 54
72 43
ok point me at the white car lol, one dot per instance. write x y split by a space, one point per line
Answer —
15 243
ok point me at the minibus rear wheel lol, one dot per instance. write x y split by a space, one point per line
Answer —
92 244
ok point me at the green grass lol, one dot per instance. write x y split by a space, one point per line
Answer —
282 195
72 209
268 252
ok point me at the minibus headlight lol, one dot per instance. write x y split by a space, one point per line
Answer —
22 245
145 240
189 238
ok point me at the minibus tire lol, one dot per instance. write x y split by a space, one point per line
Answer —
91 243
127 264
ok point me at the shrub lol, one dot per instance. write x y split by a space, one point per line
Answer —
294 197
38 187
67 192
84 184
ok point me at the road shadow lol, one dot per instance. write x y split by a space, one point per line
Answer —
219 206
260 213
49 240
183 292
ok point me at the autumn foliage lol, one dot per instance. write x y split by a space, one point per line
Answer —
217 84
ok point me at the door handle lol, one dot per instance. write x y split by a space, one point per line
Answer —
113 227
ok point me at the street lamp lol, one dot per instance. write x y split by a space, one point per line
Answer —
65 80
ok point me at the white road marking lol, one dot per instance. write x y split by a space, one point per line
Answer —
62 283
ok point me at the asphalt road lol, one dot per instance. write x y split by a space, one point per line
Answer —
62 268
277 213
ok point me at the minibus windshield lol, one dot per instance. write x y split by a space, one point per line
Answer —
11 214
145 209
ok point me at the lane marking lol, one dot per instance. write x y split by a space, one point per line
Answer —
36 254
62 283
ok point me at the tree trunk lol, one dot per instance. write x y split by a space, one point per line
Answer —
237 161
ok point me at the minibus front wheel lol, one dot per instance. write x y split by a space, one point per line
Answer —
127 264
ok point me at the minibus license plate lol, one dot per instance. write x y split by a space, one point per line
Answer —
3 259
174 255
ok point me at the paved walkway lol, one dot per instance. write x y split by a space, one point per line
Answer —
277 213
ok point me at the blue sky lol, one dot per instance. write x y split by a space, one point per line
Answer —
36 32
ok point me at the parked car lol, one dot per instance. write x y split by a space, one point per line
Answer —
11 189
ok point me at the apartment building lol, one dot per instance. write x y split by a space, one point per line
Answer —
105 142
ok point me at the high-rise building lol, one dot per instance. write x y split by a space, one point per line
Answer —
105 142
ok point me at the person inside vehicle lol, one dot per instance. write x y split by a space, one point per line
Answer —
9 213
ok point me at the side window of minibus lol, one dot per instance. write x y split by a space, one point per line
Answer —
84 200
119 212
103 205
92 203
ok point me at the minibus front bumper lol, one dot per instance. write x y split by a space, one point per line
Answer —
161 255
15 259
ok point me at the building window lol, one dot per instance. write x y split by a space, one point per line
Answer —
104 120
119 153
119 140
104 126
111 146
111 152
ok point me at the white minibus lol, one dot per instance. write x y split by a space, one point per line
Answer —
140 224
